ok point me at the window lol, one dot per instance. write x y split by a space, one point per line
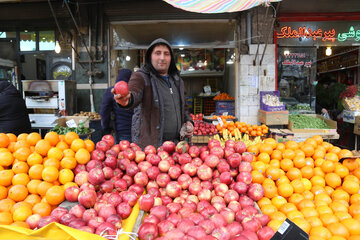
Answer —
27 41
7 34
46 40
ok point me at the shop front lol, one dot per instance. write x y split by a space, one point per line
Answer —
204 53
316 62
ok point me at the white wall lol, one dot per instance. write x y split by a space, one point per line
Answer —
253 79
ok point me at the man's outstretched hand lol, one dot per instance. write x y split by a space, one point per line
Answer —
122 100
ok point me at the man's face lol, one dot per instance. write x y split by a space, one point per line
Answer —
160 59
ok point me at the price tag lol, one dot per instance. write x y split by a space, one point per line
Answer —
71 123
225 113
220 121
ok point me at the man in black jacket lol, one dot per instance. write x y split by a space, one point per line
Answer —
14 116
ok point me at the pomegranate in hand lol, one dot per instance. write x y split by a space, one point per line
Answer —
121 88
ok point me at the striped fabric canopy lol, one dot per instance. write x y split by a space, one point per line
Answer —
216 6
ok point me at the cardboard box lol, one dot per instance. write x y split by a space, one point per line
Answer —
331 130
281 135
274 118
357 125
349 116
78 119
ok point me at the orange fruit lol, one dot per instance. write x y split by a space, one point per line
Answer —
43 187
68 153
55 195
338 229
32 199
52 138
307 172
355 198
319 172
317 180
259 166
253 149
337 206
42 208
70 163
275 224
6 158
270 141
282 179
318 139
55 153
18 193
319 153
278 216
320 232
62 145
308 149
314 221
270 191
22 213
341 170
285 190
335 150
328 218
298 186
82 156
33 185
52 162
20 167
22 153
33 138
90 146
50 174
294 173
345 153
343 215
307 184
350 164
296 198
305 203
352 178
302 223
299 162
311 141
352 225
272 173
3 192
309 212
257 177
263 157
20 179
294 214
34 158
354 209
20 144
333 180
65 176
4 140
278 201
263 201
12 137
323 197
268 209
331 157
291 145
275 163
276 154
288 207
327 166
70 137
350 186
6 205
286 164
35 171
20 224
77 144
288 153
6 177
5 218
42 147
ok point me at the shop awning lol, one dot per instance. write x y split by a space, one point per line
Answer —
217 6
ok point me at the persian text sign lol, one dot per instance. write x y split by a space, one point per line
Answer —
319 33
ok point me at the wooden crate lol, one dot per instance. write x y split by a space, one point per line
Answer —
331 130
274 118
200 139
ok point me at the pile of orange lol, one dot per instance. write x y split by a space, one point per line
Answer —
245 128
223 96
35 172
306 183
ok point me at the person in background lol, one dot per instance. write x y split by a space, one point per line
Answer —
123 118
14 117
157 93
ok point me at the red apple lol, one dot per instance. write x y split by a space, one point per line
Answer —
72 193
109 139
146 202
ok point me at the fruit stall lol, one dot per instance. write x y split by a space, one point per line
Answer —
240 184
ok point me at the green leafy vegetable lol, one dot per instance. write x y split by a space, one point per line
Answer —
304 122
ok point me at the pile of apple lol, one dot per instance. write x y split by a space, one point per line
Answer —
108 189
200 193
203 128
